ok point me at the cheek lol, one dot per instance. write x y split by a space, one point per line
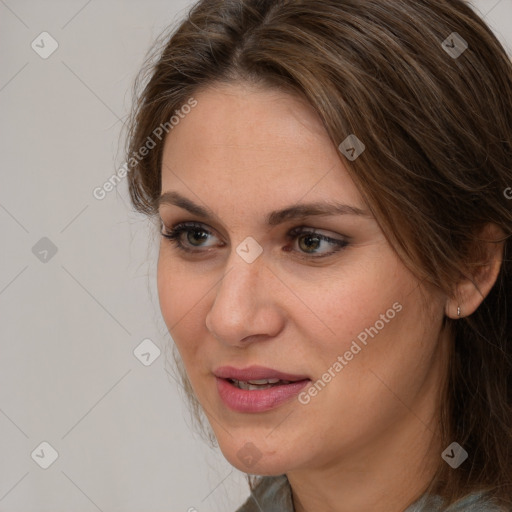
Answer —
355 301
388 342
180 301
168 282
376 321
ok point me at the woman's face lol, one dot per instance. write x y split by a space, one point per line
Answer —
253 285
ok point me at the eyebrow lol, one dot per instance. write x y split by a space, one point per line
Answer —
274 218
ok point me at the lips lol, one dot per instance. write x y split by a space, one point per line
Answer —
256 389
254 373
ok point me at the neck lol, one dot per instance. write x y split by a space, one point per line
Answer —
370 482
386 474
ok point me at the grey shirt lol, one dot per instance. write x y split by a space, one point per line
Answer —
273 494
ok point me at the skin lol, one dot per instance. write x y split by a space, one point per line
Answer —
368 440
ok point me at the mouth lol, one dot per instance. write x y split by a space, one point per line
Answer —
257 389
256 374
253 385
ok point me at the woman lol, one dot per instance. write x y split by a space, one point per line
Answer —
330 178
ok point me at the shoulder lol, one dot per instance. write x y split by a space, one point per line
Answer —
476 502
272 494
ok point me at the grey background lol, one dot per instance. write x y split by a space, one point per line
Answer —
70 323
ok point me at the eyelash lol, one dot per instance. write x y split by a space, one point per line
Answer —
174 236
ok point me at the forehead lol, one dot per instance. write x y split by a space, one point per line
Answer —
258 142
241 119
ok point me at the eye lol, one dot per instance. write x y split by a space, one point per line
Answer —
311 243
192 237
187 236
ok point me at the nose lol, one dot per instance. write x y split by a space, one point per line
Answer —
246 306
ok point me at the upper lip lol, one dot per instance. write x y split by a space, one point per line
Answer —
254 373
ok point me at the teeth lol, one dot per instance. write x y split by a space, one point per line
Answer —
258 384
251 387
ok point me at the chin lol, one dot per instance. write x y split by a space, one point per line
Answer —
248 458
260 468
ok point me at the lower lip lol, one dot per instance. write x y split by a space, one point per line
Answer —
242 400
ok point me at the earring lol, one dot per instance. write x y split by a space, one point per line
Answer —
458 311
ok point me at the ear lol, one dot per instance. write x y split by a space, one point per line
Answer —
472 289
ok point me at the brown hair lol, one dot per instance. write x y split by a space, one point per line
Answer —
437 129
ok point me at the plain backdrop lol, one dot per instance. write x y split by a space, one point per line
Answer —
77 287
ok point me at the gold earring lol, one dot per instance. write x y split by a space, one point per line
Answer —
458 311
